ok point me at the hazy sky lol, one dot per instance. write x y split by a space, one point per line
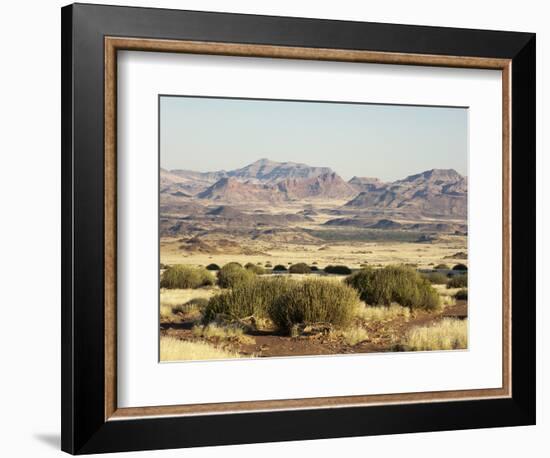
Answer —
384 141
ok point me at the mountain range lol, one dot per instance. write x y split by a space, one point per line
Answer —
440 192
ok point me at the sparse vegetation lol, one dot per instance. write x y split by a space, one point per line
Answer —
239 225
258 270
174 297
435 278
180 276
397 283
300 268
381 313
458 281
354 335
279 268
197 303
314 301
460 266
338 270
361 281
171 312
447 300
172 349
442 267
167 314
461 295
231 332
251 298
364 235
233 275
447 334
214 330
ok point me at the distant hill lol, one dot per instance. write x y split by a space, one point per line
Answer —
187 181
437 192
329 185
261 181
268 171
231 190
365 183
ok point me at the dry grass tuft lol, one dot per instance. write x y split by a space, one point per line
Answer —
214 330
353 336
176 297
447 300
447 334
374 313
167 314
172 349
229 332
187 301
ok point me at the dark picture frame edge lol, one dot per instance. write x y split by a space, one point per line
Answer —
84 428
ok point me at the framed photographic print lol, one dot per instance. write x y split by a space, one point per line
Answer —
283 228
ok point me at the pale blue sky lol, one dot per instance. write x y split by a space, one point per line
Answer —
384 141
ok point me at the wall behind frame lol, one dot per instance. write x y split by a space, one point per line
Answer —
30 235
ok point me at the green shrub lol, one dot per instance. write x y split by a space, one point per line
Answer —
300 268
361 281
258 270
458 281
461 295
180 276
338 270
233 274
314 269
279 268
314 301
442 267
435 278
212 267
400 284
460 267
252 298
268 265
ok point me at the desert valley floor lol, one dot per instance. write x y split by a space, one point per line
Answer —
277 215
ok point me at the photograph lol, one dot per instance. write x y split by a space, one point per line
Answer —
302 228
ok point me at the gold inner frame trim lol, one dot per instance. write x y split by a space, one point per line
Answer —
114 44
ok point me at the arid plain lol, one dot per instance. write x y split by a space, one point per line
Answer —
295 222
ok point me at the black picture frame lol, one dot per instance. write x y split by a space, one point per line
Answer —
84 428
